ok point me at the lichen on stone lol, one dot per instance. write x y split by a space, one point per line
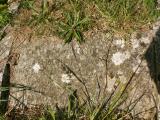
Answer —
118 58
65 78
119 43
135 43
36 67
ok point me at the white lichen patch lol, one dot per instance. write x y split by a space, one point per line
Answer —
119 43
145 40
100 64
156 26
77 48
135 43
118 58
36 67
65 78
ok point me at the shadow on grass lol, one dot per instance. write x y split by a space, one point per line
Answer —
152 57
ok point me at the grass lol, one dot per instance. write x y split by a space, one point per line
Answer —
73 17
112 106
127 14
1 118
42 16
70 26
5 16
1 101
26 4
39 16
107 109
4 99
74 23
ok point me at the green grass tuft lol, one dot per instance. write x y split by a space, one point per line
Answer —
5 16
73 26
26 4
41 16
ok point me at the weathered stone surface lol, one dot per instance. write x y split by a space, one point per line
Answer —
42 69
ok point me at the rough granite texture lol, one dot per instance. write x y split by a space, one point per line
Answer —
46 78
43 79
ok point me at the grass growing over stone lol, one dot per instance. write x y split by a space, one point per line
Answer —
106 109
113 105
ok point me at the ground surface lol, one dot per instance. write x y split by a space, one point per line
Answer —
47 67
